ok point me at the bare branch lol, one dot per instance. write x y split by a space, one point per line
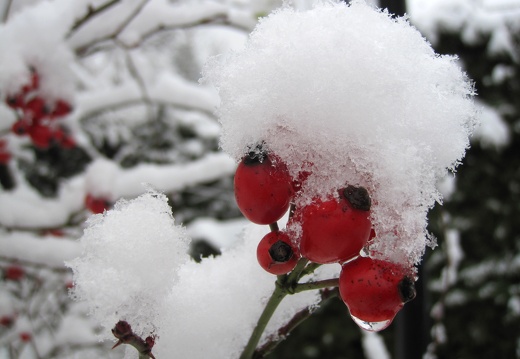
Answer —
7 10
90 14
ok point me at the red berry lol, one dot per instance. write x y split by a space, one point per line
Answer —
15 101
375 290
276 254
62 138
41 136
5 155
34 84
21 127
263 187
95 204
335 230
25 337
61 108
14 272
6 320
36 108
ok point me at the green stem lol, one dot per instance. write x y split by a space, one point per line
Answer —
296 320
310 269
294 276
321 284
276 298
284 285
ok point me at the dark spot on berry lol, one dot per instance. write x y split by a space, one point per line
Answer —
358 197
281 252
256 154
406 289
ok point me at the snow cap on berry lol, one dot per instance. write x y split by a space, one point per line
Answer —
347 93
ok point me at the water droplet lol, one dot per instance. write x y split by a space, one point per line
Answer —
371 326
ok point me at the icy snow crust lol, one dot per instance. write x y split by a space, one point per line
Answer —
356 97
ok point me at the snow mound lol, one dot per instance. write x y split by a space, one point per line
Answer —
354 96
129 262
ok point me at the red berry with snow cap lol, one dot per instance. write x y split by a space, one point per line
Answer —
263 187
335 229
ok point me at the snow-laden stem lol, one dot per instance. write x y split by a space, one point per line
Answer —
90 14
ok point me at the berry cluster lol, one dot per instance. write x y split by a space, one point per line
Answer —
331 230
37 116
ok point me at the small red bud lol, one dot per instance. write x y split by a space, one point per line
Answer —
122 329
25 337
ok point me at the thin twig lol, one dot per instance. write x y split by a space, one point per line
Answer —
215 19
117 31
139 79
90 14
7 10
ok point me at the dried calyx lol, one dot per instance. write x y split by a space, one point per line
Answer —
256 154
358 197
406 289
281 252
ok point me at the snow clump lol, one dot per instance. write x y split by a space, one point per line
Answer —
354 96
129 262
34 38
